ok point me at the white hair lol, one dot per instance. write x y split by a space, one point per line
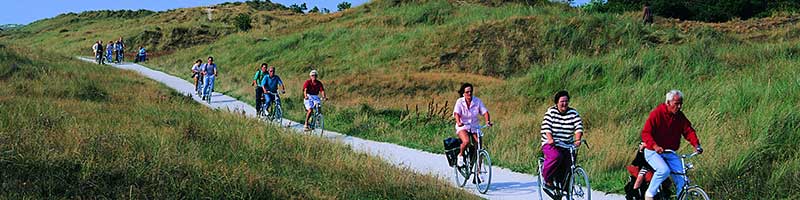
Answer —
671 94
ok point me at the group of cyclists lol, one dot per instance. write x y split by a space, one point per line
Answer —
114 51
111 52
561 123
266 82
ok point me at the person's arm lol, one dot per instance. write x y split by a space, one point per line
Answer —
647 133
215 71
546 129
255 77
305 90
691 135
578 129
457 113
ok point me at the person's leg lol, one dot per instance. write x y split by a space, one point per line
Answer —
308 105
259 98
206 83
675 166
552 158
661 174
267 100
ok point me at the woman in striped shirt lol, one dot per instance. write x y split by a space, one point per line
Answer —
561 124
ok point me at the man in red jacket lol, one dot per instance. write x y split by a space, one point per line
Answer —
663 130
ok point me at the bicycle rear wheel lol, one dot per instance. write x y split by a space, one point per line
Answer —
694 193
483 172
579 185
461 174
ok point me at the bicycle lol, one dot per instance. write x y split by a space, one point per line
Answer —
477 164
277 112
689 191
316 122
575 181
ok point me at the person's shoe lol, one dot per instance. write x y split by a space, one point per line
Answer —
460 161
548 188
648 198
305 128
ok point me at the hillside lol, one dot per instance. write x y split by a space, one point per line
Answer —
68 130
392 66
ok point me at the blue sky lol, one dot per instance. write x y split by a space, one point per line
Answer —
27 11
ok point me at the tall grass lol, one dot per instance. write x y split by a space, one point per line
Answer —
77 130
377 59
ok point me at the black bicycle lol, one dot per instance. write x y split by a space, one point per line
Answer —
276 113
572 184
477 164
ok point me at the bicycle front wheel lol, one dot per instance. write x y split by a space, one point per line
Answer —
541 179
320 124
278 114
580 188
694 193
483 172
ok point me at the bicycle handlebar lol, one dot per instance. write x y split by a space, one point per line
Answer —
693 154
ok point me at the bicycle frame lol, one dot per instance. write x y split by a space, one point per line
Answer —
686 167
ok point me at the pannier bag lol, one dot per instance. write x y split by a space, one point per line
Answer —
451 147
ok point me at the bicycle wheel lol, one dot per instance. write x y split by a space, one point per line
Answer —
579 183
483 172
319 124
461 174
278 114
693 193
541 179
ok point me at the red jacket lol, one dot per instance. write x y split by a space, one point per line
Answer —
665 129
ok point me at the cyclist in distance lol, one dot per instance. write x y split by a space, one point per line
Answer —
663 130
561 123
466 111
196 70
257 78
209 71
269 84
312 89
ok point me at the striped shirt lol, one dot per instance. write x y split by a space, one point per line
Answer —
561 125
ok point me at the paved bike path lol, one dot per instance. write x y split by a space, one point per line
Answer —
506 184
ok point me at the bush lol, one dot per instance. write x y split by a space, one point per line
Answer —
243 22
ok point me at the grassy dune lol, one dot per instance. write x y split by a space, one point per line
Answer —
75 130
381 58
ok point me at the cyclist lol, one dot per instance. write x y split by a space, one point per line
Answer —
269 85
257 82
466 111
312 88
120 49
110 51
209 71
98 51
561 123
142 55
663 130
196 70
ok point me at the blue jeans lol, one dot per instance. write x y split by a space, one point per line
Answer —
208 85
268 99
664 164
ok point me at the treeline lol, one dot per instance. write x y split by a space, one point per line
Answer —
700 10
126 14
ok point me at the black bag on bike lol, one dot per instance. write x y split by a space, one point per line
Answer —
451 148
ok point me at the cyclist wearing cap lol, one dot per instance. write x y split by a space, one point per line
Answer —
312 88
269 85
561 123
466 111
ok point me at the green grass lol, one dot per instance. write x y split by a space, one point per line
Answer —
71 129
378 59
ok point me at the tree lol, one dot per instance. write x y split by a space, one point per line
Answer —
326 11
314 10
343 6
298 8
242 22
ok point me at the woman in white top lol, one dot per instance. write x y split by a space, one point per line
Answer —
466 111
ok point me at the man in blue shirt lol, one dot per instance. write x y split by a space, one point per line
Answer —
270 85
209 72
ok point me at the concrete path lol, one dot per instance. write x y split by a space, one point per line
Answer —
505 183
